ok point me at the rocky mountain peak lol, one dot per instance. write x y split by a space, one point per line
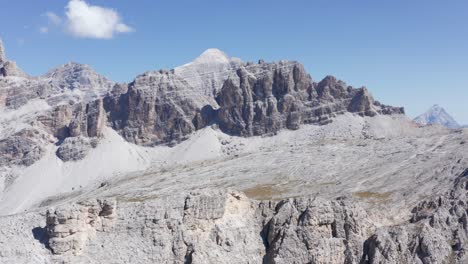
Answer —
8 68
74 75
69 68
437 115
213 55
207 73
436 109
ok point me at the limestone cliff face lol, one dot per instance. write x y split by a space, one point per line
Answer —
436 233
255 99
264 98
156 108
7 67
165 107
213 226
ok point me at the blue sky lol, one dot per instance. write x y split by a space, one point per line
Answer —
408 53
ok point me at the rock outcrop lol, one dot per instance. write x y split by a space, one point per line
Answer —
264 98
2 53
75 148
315 231
215 226
225 226
437 232
156 108
22 148
254 99
69 228
8 68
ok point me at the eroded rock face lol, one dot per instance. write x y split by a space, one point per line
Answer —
22 148
157 108
75 148
165 107
69 228
437 232
74 120
8 68
264 98
225 226
213 226
316 231
2 52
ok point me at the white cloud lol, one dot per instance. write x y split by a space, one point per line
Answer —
53 18
44 30
88 21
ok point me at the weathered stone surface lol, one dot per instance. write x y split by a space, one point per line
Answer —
75 148
69 228
264 98
213 226
11 69
437 232
2 53
81 119
20 149
316 231
165 107
225 226
8 68
157 108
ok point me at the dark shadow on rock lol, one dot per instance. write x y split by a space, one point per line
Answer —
40 234
208 114
264 235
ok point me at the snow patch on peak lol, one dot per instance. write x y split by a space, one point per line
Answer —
207 73
213 55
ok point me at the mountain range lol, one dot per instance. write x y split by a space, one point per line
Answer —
222 161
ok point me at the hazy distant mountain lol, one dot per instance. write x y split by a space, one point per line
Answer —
437 115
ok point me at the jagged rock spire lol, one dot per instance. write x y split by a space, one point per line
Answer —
8 68
2 53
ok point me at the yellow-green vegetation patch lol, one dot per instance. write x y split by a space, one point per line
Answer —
373 195
137 199
265 192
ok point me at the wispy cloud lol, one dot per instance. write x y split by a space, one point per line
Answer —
89 21
53 18
44 30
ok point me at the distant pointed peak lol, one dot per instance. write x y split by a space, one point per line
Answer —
436 109
437 115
